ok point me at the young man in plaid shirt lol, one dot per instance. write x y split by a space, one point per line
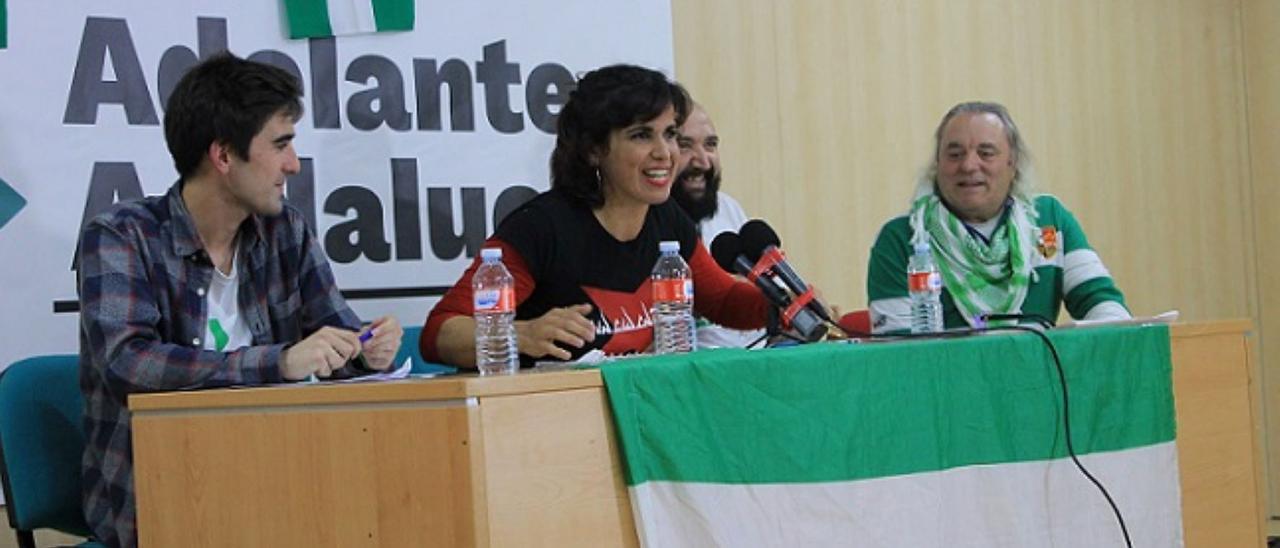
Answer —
216 283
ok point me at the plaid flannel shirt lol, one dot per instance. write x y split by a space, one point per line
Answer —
142 281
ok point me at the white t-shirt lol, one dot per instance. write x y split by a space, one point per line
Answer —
225 330
729 217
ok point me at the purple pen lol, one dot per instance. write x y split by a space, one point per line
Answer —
364 337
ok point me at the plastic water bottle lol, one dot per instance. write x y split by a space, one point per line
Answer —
673 325
925 285
494 297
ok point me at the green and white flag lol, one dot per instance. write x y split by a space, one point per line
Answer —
317 18
922 443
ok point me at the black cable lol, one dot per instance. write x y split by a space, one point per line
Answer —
1062 381
784 334
1043 321
850 333
855 334
1066 424
948 334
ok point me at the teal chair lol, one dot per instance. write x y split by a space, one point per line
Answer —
409 349
41 440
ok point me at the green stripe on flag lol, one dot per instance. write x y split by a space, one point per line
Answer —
4 24
317 18
393 14
307 18
835 412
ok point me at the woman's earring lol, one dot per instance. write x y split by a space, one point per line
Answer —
599 181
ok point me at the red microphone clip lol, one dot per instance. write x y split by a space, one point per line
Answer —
797 305
768 260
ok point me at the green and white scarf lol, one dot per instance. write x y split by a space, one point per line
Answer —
982 278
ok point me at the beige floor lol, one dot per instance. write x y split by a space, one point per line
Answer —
44 539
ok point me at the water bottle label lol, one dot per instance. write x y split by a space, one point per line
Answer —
495 300
679 290
924 281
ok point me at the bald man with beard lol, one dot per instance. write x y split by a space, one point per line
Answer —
697 191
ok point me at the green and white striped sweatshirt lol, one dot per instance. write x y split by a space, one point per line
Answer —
1066 269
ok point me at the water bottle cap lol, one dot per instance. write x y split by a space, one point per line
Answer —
922 247
669 246
491 253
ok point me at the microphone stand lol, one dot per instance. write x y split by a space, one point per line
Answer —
774 331
772 328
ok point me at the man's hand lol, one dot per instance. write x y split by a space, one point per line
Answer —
381 349
569 325
324 352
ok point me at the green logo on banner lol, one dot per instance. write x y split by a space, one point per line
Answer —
10 203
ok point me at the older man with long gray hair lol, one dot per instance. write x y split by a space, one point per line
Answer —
1000 247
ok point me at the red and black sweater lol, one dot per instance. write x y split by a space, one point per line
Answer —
560 255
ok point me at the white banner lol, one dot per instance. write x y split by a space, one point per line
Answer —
411 142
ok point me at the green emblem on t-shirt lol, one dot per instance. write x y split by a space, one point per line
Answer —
220 336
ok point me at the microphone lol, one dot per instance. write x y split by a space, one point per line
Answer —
762 245
727 250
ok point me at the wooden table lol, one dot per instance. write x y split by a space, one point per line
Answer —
530 459
1217 400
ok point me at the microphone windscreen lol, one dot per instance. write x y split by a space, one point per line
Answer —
756 236
725 249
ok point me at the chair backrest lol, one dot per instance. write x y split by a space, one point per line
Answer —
409 349
41 442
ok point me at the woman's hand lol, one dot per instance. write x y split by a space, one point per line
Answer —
837 332
568 325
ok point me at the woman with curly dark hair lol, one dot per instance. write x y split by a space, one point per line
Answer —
581 253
